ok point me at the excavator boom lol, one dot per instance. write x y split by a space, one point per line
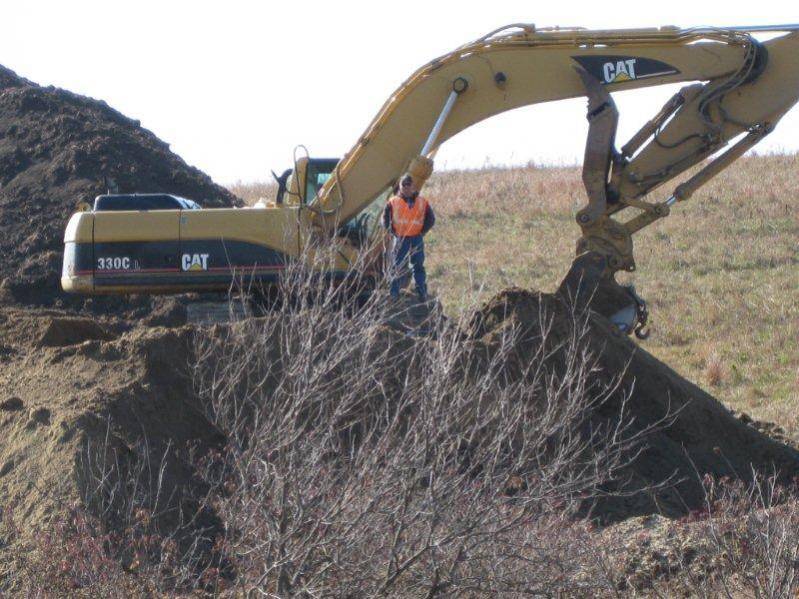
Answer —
520 65
743 88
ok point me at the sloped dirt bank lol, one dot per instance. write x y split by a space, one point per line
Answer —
107 418
702 436
87 406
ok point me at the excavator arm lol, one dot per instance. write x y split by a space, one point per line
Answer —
744 87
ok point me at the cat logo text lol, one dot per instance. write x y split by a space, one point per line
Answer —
191 262
621 70
609 69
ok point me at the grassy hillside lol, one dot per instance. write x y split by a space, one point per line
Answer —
721 274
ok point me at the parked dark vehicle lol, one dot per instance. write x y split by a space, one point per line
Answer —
143 201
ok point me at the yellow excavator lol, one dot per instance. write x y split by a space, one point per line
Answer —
739 88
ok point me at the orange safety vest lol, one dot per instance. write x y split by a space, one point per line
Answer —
407 221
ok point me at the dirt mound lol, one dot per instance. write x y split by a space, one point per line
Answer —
60 332
704 438
170 312
78 383
104 404
58 148
86 407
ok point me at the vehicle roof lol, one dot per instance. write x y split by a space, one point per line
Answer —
181 201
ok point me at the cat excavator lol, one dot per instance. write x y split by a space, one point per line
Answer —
738 88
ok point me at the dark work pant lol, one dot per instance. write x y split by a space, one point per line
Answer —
413 248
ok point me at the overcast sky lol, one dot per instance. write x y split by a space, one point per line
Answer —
234 86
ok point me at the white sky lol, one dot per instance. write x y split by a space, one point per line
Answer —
234 86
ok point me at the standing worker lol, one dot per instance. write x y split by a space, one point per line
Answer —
408 216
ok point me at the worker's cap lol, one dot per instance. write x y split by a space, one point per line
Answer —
406 179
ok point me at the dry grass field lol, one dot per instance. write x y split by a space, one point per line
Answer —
721 274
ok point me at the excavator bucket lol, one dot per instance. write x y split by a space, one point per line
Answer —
588 285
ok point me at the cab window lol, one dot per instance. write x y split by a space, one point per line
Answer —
318 171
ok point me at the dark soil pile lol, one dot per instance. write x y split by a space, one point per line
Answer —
58 148
704 438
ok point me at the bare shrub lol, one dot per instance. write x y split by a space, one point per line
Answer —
752 534
363 461
76 555
152 521
744 542
715 370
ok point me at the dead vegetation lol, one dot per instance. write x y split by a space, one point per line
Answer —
359 461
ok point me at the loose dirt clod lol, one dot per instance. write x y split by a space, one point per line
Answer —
61 332
168 313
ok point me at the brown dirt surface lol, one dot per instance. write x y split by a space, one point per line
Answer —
104 381
60 332
129 393
56 149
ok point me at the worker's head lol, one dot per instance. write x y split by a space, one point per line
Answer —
407 187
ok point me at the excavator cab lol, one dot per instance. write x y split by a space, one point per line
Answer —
301 184
317 172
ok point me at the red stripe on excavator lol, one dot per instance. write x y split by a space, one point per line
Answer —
156 270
